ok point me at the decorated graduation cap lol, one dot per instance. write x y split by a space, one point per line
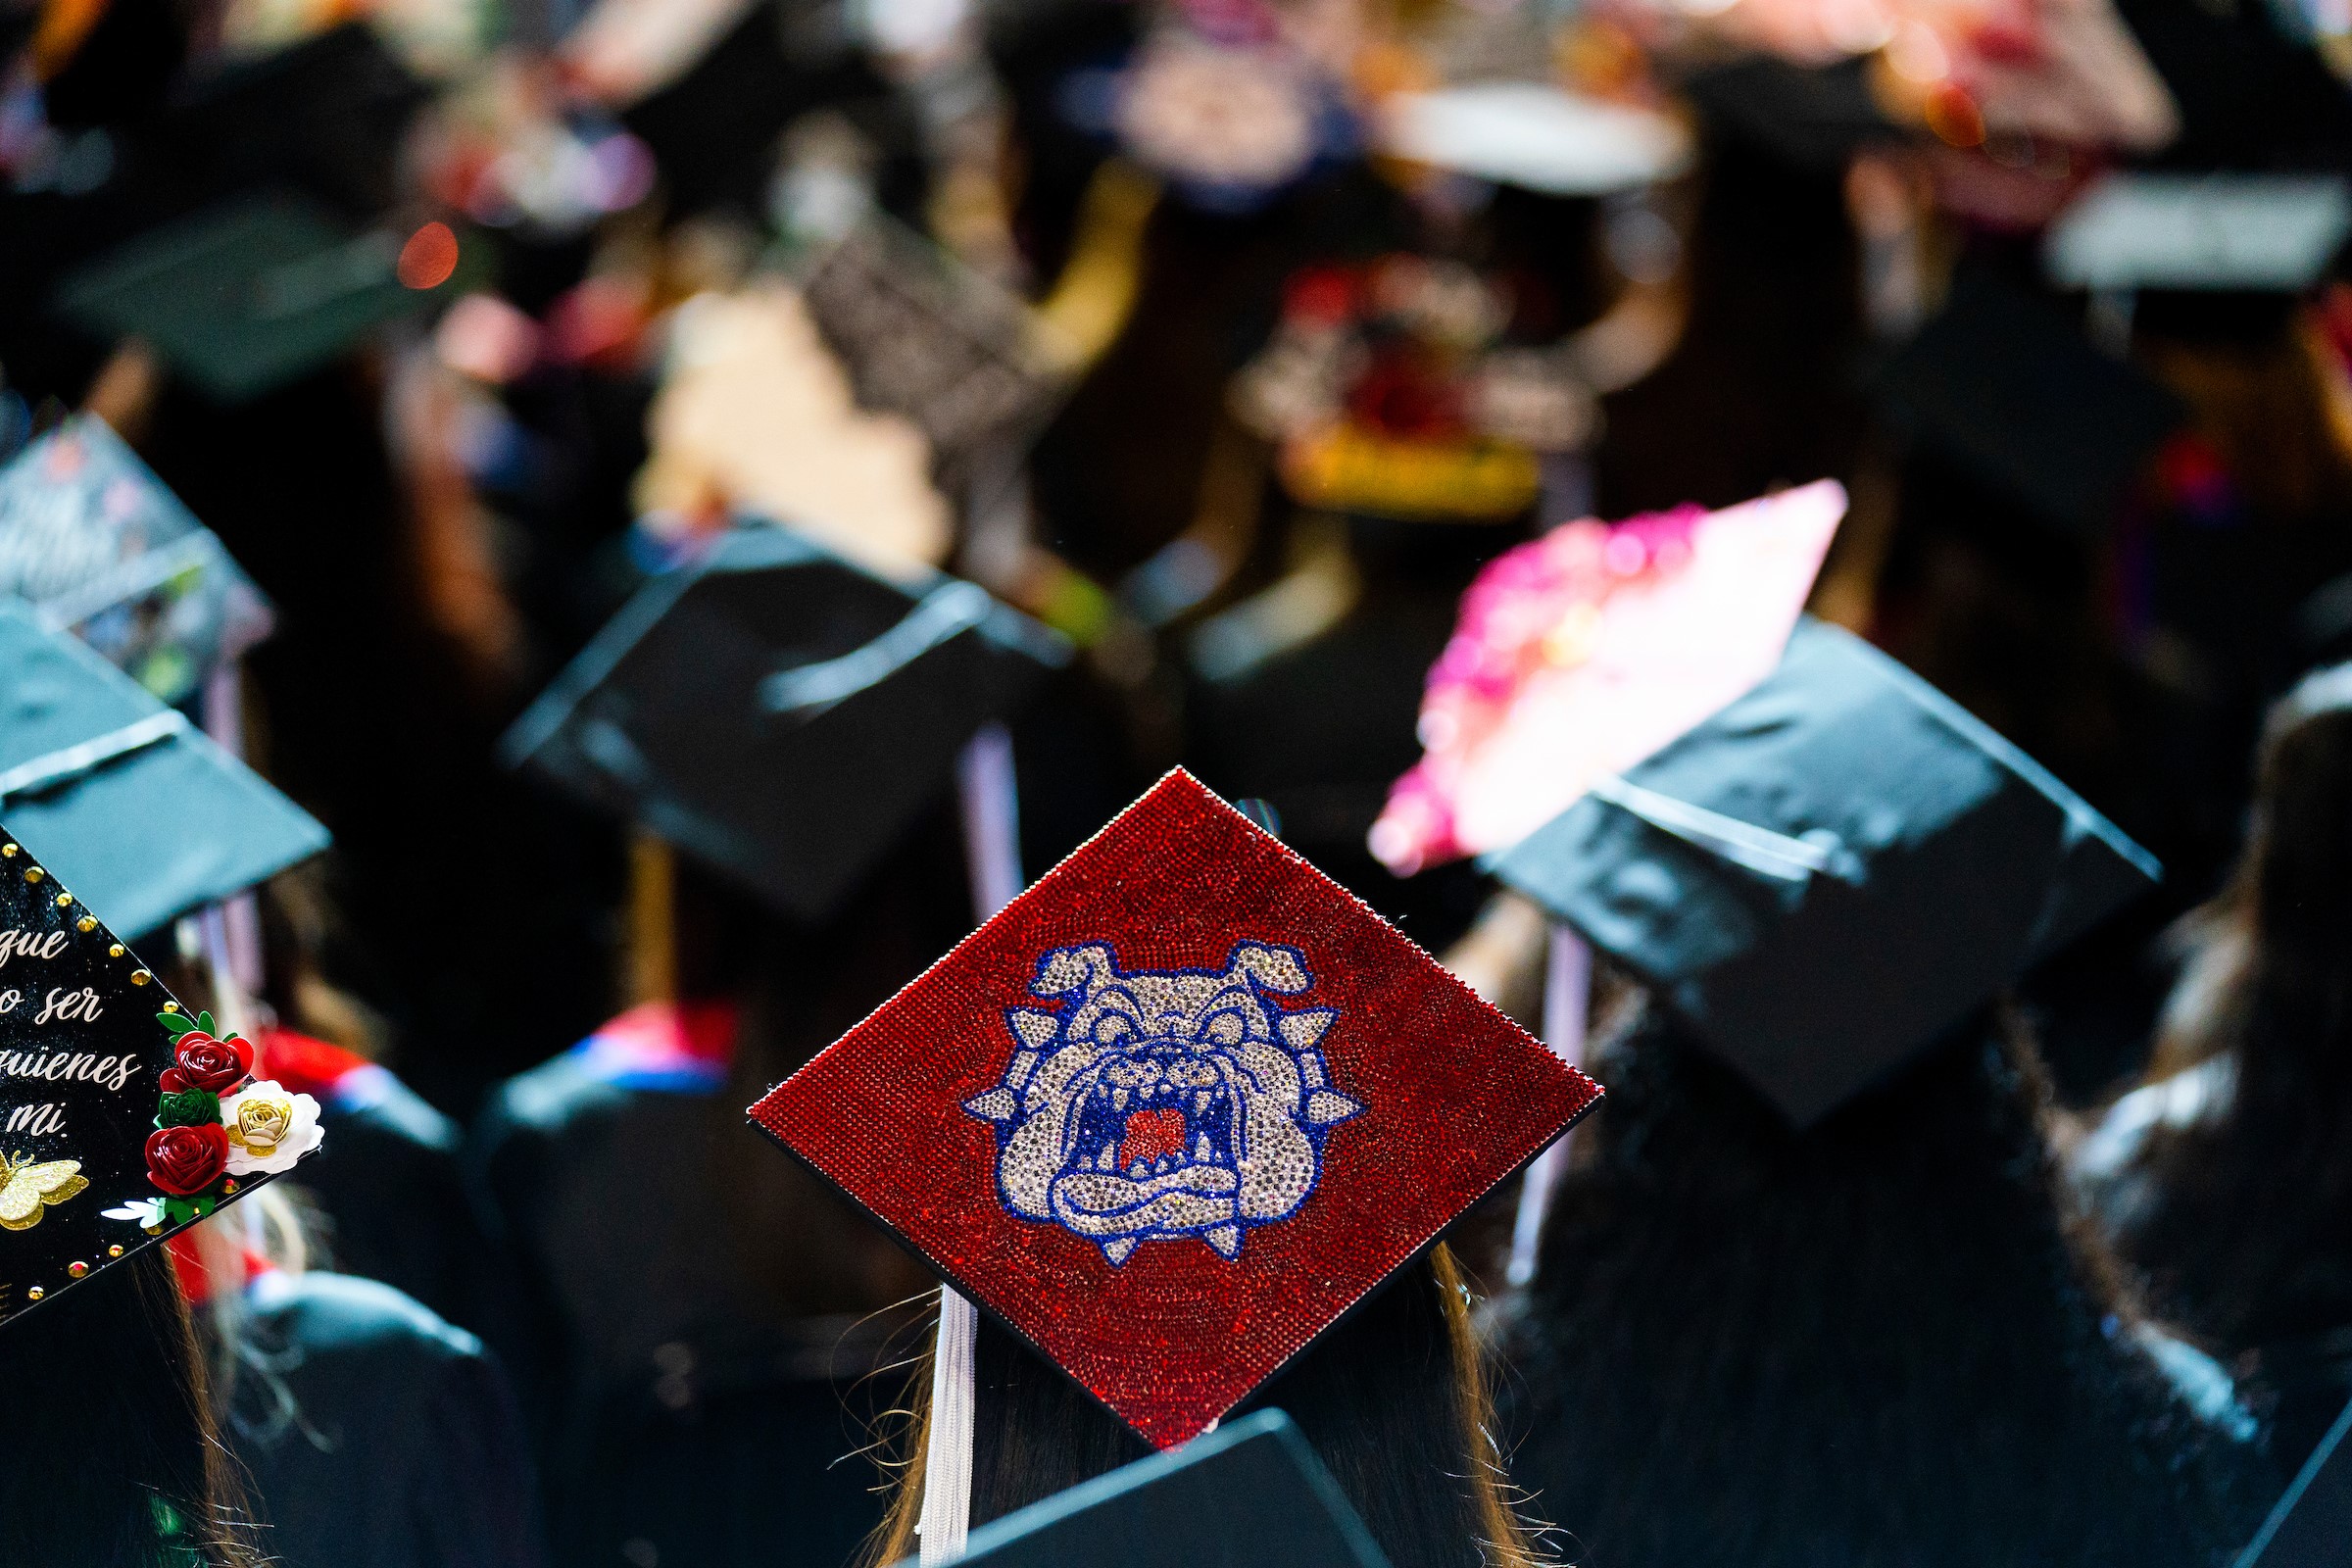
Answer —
2266 233
779 712
1175 1109
1249 1496
122 799
245 296
923 335
122 1116
1535 136
1581 652
1829 871
99 547
2004 388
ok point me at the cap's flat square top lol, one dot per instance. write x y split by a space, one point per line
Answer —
1176 1108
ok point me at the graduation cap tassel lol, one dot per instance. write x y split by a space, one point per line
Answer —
238 918
1567 994
233 1000
947 1517
992 843
992 816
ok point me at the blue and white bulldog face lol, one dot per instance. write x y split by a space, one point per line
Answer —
1158 1105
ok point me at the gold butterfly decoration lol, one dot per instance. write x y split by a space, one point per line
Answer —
26 1189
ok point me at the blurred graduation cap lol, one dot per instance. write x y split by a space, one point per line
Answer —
2311 1525
1249 1496
2003 387
713 128
324 116
1534 136
2252 232
244 298
1813 118
99 547
129 803
1583 652
780 712
923 335
1831 871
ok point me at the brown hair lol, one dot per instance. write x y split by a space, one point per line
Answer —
117 1463
1396 1399
2248 1236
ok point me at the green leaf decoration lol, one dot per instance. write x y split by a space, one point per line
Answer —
175 1025
180 1210
204 1022
189 1108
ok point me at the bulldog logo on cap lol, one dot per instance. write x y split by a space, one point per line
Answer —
1163 1104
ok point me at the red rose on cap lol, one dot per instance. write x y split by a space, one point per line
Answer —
186 1160
207 1063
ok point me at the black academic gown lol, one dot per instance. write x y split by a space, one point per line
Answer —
387 1178
685 1414
387 1183
375 1434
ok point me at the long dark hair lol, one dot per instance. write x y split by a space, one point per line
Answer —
2247 1230
112 1459
1871 1342
1394 1400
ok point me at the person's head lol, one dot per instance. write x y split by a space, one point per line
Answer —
1868 1341
114 1462
1394 1400
2296 879
2243 1200
2274 942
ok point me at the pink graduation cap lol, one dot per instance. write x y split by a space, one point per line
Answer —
1581 652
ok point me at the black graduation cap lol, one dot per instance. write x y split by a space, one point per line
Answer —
2254 232
1812 118
779 711
93 540
2001 385
2311 1525
324 115
713 132
1831 870
119 796
121 1117
244 298
1249 1496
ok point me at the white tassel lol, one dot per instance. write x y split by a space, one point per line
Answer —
992 847
947 1517
1567 994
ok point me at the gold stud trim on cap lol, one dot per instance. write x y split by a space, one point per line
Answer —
78 1269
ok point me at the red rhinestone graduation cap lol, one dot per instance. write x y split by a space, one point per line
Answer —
1176 1110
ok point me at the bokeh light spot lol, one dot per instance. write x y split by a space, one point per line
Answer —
429 258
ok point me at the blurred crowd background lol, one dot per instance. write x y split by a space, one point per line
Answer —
1228 339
